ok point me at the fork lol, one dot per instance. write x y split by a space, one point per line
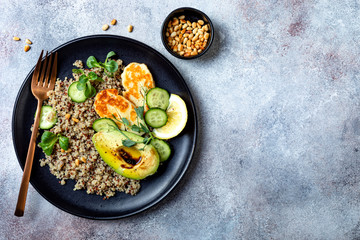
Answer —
40 86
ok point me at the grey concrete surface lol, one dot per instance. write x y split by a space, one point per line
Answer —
278 98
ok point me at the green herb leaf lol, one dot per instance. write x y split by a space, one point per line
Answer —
100 79
88 90
140 112
135 128
91 62
48 140
128 143
144 128
111 66
109 55
83 79
125 121
78 71
92 76
81 86
64 142
93 92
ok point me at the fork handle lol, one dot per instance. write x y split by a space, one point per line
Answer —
20 206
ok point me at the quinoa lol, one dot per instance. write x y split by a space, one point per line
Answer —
81 162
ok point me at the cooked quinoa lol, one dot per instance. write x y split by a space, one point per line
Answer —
81 162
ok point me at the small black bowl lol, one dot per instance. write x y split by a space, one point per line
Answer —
193 15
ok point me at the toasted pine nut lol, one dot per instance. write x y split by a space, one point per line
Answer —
173 34
175 22
130 28
195 30
207 35
182 17
181 53
113 22
188 22
67 116
182 21
77 162
62 150
26 48
188 43
167 34
201 22
75 120
176 27
193 24
83 159
105 27
28 41
16 38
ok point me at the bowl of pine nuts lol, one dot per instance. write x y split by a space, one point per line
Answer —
187 33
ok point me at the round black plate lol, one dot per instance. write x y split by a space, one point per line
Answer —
154 188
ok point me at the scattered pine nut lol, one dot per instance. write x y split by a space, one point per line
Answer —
16 38
67 116
77 162
105 27
130 28
113 22
83 159
28 41
26 48
62 150
75 120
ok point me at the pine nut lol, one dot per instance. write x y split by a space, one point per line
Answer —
67 116
207 35
193 24
75 120
105 27
201 22
113 22
28 41
175 22
130 28
167 34
188 22
176 28
173 34
83 159
184 26
182 17
77 162
16 38
195 31
26 48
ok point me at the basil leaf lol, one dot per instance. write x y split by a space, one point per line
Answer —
81 86
48 137
128 143
135 128
91 62
93 92
83 79
64 142
110 54
88 90
48 140
140 112
125 121
111 66
92 76
78 71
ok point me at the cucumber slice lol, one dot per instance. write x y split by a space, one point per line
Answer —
106 124
156 117
157 98
163 148
75 94
48 117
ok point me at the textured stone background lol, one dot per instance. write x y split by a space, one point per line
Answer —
278 99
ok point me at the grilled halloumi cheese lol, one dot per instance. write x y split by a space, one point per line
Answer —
136 80
108 103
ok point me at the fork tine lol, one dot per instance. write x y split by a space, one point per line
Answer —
41 80
47 76
53 72
37 70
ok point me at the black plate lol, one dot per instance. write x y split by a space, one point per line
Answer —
154 188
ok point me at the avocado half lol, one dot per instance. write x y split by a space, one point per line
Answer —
136 162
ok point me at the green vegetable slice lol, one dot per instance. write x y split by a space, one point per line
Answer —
48 117
157 98
163 148
106 124
156 117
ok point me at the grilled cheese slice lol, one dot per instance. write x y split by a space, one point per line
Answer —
108 103
136 80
